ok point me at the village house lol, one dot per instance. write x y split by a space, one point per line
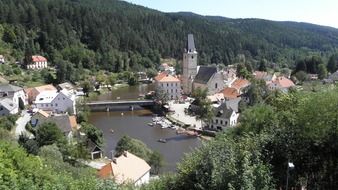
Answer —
94 150
66 86
127 168
225 116
67 124
280 83
32 93
209 78
8 107
262 75
15 94
169 84
56 102
2 59
229 75
332 78
240 85
37 62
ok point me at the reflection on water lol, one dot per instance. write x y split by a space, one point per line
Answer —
135 124
127 92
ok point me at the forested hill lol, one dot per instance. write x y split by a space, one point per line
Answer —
117 35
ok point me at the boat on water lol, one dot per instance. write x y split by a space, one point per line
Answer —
151 124
112 131
162 140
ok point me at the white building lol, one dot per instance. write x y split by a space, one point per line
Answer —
15 94
225 115
189 65
8 107
168 84
57 102
37 62
127 168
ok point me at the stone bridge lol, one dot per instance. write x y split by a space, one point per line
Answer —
120 105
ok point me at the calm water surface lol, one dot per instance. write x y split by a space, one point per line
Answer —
134 124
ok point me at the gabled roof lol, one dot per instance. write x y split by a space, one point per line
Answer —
283 82
38 58
230 93
164 77
204 74
47 87
9 88
125 168
223 111
233 103
62 122
240 83
8 104
66 85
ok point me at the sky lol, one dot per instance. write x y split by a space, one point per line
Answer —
322 12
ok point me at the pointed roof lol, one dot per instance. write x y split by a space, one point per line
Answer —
204 74
230 93
8 104
9 88
191 43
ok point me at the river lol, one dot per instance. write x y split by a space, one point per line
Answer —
135 125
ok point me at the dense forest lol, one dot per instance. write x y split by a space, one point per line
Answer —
118 36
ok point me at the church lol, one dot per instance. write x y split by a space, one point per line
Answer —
204 77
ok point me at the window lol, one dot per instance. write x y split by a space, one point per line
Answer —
176 84
56 104
216 121
216 85
172 90
226 122
162 84
1 108
176 90
171 84
167 84
46 105
221 122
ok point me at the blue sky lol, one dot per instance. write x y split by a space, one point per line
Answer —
323 12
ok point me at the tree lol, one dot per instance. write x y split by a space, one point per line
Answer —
92 133
262 65
112 79
49 133
132 79
242 71
301 76
161 96
322 71
156 162
86 87
332 65
138 148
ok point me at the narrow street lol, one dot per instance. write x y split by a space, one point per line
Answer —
21 123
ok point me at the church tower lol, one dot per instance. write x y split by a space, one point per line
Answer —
189 65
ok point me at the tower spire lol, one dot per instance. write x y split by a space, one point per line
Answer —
191 43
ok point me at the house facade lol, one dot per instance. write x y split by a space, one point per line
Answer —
32 93
169 84
280 83
37 62
8 107
56 102
14 93
225 117
209 78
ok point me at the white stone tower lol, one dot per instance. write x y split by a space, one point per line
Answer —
189 65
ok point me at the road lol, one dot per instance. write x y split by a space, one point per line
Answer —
181 116
21 124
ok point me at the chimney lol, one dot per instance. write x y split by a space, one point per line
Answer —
115 160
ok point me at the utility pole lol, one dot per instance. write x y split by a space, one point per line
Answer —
290 165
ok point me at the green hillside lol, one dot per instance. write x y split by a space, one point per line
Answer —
117 36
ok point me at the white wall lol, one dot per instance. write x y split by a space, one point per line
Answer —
143 180
173 89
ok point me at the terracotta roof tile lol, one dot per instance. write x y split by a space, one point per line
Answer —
240 83
230 93
38 58
284 82
164 77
